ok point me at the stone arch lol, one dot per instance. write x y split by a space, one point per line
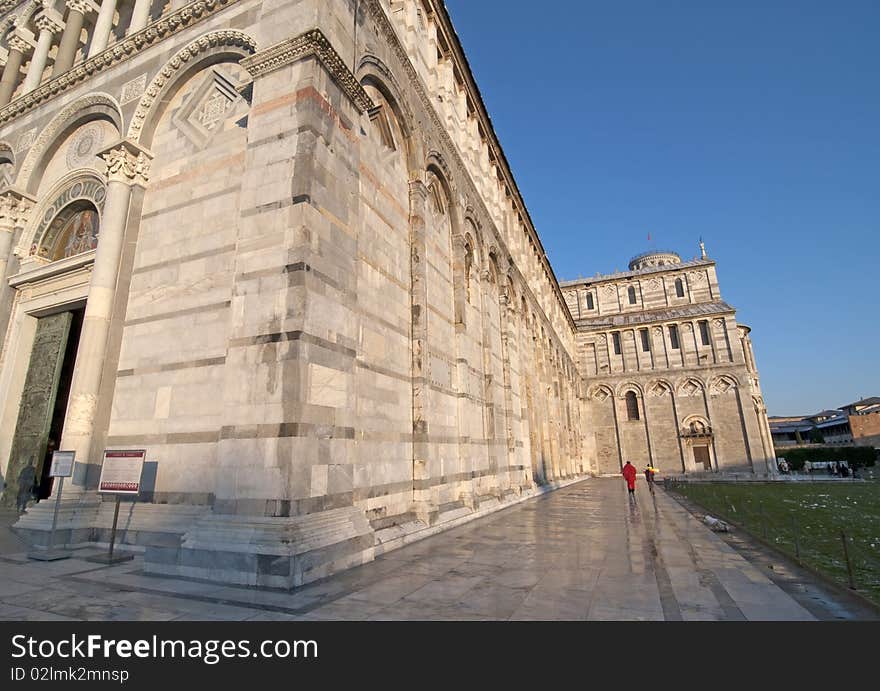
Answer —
6 151
371 71
90 107
78 185
696 424
627 386
7 165
23 17
208 49
510 285
492 267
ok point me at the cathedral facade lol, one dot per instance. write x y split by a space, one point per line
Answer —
277 245
669 375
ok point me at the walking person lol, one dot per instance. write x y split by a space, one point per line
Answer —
649 476
629 474
26 479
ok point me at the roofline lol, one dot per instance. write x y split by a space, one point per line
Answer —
620 275
495 146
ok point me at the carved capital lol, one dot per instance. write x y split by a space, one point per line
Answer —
49 20
15 206
21 42
81 6
127 162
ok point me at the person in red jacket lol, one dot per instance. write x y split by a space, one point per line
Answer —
629 474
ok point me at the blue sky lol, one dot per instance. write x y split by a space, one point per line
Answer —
755 125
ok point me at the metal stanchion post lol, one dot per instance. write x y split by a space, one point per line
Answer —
849 570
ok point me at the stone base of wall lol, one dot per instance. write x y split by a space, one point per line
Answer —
279 552
86 518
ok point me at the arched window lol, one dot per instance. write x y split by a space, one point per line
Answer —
632 406
679 288
632 295
71 232
698 427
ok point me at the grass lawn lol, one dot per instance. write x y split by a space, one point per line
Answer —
817 512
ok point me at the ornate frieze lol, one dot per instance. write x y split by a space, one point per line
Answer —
311 43
165 26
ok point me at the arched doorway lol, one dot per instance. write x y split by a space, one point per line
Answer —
68 236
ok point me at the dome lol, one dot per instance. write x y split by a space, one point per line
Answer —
653 258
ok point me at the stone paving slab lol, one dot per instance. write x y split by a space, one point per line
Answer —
584 552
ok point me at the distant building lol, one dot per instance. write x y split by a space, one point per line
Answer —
855 424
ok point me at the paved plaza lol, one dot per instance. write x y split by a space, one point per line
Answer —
584 552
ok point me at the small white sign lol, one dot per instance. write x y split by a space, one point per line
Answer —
62 463
121 471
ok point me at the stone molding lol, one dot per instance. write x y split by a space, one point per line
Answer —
199 45
311 43
162 28
50 131
127 163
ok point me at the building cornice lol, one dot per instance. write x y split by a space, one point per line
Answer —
624 320
385 25
312 43
162 28
638 273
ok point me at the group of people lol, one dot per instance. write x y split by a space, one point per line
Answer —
629 473
837 469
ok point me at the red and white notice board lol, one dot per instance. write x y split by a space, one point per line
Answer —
121 471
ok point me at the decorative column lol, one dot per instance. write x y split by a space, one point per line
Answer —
127 165
14 209
418 198
19 46
70 38
103 26
140 16
49 22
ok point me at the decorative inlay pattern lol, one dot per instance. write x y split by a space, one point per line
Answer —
26 140
200 45
83 149
132 90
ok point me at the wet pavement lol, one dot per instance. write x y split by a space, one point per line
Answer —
584 552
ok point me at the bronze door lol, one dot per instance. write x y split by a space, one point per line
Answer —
37 402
